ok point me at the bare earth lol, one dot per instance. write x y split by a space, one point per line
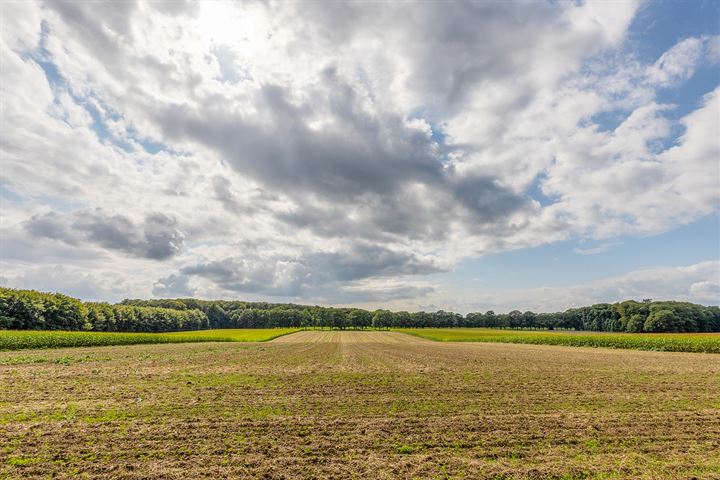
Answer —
365 405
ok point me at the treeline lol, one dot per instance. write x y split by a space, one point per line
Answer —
32 310
238 314
629 316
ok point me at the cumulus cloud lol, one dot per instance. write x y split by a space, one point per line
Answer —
173 285
337 151
332 275
156 238
680 62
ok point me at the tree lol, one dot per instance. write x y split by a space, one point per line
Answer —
360 318
382 319
661 321
217 316
636 323
516 317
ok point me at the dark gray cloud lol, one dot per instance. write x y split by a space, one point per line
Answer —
161 237
157 237
221 187
462 45
253 201
333 148
355 154
310 273
51 225
243 275
173 285
372 164
175 7
486 199
96 22
364 261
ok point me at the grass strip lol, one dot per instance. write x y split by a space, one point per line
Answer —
29 339
663 342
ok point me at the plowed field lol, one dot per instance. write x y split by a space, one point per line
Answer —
368 405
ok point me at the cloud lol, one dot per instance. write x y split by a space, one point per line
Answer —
378 167
173 286
680 62
331 275
76 282
336 151
156 238
697 283
602 248
709 290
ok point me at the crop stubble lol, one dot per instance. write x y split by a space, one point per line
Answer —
358 404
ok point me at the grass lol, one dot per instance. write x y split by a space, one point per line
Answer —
375 405
237 334
32 339
669 342
663 342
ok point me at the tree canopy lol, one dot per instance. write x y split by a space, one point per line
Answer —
33 310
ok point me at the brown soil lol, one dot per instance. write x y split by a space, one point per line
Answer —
369 405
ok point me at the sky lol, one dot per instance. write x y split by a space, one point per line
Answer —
464 156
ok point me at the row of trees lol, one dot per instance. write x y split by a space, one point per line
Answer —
628 316
29 309
104 317
32 310
236 314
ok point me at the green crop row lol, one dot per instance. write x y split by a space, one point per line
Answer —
26 339
666 342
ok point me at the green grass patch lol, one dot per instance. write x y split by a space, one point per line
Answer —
22 462
238 334
664 342
404 449
29 339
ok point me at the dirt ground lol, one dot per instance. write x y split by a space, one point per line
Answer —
369 405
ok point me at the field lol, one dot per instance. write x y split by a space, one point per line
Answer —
358 405
24 339
663 342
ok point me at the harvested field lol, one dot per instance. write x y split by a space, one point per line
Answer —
358 404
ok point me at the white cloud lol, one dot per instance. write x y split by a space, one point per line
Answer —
281 144
602 248
680 62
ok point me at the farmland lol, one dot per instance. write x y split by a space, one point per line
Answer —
681 342
18 340
358 405
665 342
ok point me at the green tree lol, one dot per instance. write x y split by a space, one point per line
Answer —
382 319
661 321
360 318
636 323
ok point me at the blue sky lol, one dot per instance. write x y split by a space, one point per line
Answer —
660 25
504 156
559 263
657 27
